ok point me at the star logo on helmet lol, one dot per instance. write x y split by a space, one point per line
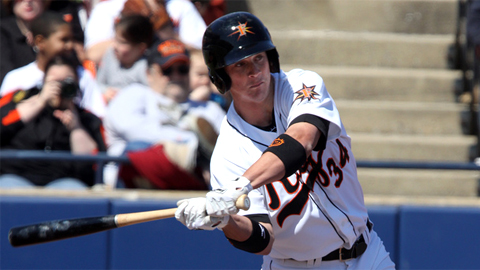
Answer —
306 93
241 29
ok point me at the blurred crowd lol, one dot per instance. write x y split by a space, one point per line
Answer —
122 77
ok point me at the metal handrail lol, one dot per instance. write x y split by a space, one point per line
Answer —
468 166
102 158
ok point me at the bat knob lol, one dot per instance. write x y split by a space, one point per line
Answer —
243 202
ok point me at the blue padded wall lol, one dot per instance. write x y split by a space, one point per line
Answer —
167 244
385 222
417 237
86 252
439 238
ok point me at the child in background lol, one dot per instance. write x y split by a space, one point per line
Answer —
124 63
202 89
53 36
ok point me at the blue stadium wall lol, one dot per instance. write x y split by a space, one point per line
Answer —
418 237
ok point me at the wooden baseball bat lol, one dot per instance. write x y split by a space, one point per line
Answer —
62 229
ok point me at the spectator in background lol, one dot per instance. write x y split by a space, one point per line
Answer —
173 136
210 10
473 42
16 39
187 23
125 63
47 119
473 34
162 25
71 11
202 88
53 36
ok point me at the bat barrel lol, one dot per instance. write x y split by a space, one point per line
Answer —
59 229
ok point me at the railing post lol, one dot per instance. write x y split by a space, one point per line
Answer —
99 172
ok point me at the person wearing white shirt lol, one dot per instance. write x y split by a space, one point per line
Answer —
99 31
53 36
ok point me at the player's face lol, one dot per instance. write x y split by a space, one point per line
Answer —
250 78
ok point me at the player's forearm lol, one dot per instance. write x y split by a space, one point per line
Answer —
267 169
270 168
239 228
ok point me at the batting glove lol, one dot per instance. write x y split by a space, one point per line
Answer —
221 202
192 214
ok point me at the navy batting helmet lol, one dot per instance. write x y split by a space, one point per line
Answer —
234 37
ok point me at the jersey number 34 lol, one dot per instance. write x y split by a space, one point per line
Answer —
315 171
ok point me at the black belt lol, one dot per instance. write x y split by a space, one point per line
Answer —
357 249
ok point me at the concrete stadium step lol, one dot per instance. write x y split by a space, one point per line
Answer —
361 83
393 117
385 64
333 48
419 182
396 16
445 148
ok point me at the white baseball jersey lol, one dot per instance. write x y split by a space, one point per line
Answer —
318 209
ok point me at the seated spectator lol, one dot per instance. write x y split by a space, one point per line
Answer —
47 119
202 88
16 40
74 12
188 25
157 12
125 62
473 42
52 37
473 35
210 10
172 135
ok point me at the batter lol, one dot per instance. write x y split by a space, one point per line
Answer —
282 143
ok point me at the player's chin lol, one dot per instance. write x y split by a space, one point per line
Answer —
257 85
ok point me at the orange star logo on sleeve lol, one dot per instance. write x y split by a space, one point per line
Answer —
241 30
306 93
277 142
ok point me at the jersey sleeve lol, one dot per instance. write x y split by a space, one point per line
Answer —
227 167
306 93
11 122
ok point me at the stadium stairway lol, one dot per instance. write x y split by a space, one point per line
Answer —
385 64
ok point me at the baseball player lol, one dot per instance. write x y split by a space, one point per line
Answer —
282 143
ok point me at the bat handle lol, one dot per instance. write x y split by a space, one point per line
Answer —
243 202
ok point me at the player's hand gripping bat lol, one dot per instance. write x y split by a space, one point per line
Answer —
62 229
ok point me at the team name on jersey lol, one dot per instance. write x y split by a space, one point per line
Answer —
314 170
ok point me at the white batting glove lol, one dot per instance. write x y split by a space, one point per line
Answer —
192 214
221 202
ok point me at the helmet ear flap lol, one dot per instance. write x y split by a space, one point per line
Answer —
220 79
273 56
